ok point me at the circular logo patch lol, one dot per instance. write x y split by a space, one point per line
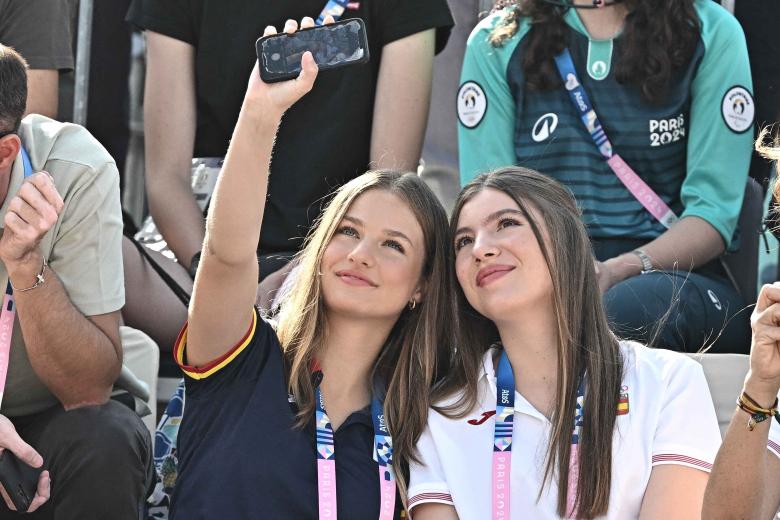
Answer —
544 127
598 70
738 109
472 104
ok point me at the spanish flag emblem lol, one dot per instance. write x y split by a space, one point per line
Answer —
622 407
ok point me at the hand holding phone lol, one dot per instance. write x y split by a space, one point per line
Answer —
278 97
25 484
332 45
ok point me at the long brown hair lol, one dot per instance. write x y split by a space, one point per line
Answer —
585 343
659 37
416 352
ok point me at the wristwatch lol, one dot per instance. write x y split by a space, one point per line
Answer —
194 265
647 262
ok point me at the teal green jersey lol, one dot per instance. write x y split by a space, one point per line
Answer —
693 149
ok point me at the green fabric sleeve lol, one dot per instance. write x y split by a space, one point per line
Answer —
719 147
490 143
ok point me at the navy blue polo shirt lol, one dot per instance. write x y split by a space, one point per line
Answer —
240 455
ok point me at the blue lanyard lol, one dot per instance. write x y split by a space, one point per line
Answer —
326 458
335 8
502 440
26 163
581 102
643 193
505 406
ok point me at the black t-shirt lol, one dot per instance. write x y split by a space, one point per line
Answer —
240 455
324 139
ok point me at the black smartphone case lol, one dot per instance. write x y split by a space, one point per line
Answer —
277 78
19 480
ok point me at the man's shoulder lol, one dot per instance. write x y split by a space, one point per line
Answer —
67 151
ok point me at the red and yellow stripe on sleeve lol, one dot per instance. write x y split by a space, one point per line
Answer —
215 366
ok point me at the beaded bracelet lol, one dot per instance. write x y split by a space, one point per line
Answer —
757 413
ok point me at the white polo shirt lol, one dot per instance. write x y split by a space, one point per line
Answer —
670 420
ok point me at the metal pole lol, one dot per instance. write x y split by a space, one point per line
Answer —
81 80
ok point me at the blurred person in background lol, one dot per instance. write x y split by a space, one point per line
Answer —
357 117
41 31
661 88
760 21
108 110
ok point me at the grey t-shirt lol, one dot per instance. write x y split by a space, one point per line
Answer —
39 30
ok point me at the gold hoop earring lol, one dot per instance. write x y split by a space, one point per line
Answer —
412 304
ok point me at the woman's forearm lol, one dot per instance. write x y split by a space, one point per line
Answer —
236 212
225 286
737 483
690 243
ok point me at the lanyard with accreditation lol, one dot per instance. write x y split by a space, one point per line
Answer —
8 313
326 448
502 442
326 459
638 188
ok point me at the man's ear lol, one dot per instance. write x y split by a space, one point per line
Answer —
9 150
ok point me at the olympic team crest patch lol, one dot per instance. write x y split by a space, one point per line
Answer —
738 109
472 104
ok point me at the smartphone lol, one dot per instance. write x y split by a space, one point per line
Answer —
19 480
334 45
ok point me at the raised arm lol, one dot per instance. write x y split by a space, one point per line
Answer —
169 125
221 305
397 135
743 483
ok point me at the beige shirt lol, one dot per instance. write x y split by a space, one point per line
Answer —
84 247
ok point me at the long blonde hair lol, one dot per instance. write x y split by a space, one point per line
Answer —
585 342
417 351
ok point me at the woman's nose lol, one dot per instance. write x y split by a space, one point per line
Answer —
484 247
361 254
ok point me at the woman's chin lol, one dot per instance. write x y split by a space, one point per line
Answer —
353 308
501 309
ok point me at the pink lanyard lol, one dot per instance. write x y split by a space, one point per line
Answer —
502 442
326 459
638 188
8 313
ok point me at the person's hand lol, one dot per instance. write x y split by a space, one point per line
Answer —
32 212
604 276
281 96
763 380
10 440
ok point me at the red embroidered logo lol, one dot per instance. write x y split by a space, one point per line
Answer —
354 6
485 417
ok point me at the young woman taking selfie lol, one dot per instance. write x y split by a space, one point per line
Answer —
549 415
343 373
